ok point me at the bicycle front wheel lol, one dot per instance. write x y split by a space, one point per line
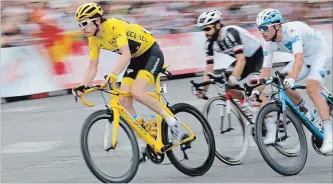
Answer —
106 115
232 140
291 169
204 141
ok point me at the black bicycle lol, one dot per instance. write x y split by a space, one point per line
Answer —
232 117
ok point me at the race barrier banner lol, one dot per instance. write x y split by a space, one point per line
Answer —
27 70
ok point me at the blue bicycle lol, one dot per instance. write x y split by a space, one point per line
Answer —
283 105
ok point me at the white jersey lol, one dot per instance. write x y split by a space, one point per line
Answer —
297 37
234 40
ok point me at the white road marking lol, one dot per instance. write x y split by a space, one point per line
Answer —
31 147
23 109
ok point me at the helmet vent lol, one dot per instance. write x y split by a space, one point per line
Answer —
84 9
91 9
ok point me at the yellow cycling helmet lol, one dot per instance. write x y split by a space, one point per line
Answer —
87 10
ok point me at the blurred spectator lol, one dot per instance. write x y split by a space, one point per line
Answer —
52 23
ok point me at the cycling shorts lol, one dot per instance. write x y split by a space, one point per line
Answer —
146 66
313 67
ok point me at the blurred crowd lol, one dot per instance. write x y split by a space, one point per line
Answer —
51 21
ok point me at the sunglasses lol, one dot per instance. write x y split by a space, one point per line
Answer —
265 27
206 29
85 23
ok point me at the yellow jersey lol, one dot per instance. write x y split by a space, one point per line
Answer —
117 33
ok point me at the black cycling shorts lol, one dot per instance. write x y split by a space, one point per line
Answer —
253 63
152 61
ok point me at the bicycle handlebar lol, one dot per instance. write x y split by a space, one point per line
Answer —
113 88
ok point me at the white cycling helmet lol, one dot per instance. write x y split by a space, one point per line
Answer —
269 16
209 17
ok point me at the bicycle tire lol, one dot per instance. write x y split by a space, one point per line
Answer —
93 118
241 157
183 107
286 171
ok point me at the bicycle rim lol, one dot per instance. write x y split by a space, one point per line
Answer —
129 175
283 170
240 156
207 133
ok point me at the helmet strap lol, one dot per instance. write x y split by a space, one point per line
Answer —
97 29
216 34
275 35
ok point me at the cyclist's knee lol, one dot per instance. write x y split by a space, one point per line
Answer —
138 90
313 87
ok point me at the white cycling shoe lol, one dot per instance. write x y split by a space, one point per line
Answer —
271 130
327 146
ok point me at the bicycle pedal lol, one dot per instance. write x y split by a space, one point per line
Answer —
227 130
111 147
282 139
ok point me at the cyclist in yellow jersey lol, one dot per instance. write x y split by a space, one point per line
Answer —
137 47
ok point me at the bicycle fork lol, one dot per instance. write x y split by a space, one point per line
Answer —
222 113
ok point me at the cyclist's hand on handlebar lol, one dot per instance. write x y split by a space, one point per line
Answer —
78 90
200 94
289 82
232 81
111 78
255 95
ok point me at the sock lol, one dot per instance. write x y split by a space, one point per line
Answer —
136 116
327 125
169 119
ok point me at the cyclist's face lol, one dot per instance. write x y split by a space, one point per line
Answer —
267 31
209 30
88 27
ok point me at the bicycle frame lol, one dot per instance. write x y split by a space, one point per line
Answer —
119 111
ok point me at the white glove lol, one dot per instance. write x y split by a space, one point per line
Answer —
254 93
233 80
289 82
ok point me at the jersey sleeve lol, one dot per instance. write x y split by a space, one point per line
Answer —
268 55
296 40
94 49
209 52
118 28
233 38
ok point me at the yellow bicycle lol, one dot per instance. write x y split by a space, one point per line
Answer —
118 117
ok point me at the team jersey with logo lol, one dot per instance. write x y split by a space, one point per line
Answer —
297 37
117 33
234 40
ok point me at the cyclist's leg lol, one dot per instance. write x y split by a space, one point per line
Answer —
126 85
293 95
127 101
314 84
146 77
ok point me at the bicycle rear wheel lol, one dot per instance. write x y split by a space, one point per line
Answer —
300 163
207 134
129 175
234 158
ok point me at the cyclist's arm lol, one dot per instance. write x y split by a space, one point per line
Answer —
91 70
232 36
123 60
267 64
209 63
297 48
122 44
